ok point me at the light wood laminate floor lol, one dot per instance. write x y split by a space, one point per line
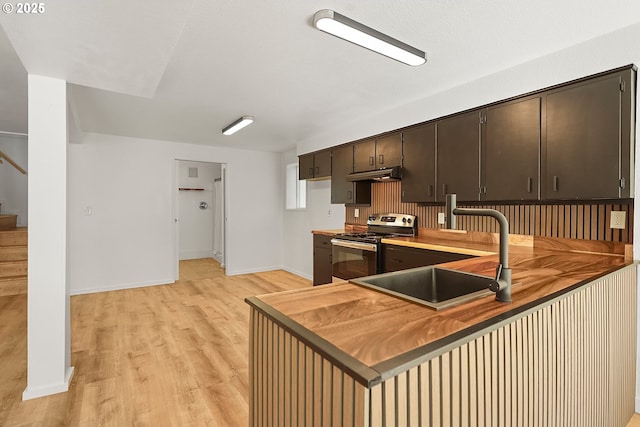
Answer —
635 421
171 355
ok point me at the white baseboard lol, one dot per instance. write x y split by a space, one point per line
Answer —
41 391
262 270
195 255
298 273
119 287
165 281
218 257
251 270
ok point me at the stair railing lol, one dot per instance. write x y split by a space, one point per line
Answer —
11 162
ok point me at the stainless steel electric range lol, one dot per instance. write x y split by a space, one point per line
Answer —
359 254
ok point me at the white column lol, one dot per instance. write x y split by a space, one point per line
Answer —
49 368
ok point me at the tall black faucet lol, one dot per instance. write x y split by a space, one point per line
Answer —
502 283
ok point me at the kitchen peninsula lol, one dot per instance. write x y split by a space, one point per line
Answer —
559 354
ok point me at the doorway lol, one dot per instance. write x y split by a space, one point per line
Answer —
199 211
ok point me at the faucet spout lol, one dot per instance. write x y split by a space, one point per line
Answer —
502 283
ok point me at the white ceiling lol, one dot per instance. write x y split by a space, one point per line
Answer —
181 70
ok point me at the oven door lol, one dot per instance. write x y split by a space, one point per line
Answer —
351 260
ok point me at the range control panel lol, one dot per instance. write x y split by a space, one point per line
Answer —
392 220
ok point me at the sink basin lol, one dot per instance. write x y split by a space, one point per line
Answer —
434 287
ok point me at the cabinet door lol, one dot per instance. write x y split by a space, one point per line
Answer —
419 164
396 258
343 191
341 166
510 147
322 164
389 151
582 149
364 155
322 268
305 166
458 157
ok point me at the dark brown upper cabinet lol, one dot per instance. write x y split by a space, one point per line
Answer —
364 155
419 164
389 151
571 141
588 146
458 156
383 152
315 165
343 191
305 166
510 150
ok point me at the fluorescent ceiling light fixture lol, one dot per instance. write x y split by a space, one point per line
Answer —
237 125
340 26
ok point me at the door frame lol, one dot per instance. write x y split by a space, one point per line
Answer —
175 213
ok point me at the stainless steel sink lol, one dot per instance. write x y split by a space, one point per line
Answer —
434 287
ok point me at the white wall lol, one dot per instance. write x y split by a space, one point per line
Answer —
196 224
128 185
13 184
297 241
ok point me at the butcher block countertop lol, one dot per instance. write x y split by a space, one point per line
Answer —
372 334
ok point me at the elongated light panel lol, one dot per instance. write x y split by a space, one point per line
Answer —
234 127
340 26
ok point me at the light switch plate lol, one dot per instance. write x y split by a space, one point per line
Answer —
441 219
618 219
356 212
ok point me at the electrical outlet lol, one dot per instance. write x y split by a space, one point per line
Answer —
441 219
329 212
618 219
356 212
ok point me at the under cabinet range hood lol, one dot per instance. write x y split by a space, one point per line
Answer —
387 174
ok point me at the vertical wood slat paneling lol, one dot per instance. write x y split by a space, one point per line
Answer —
589 220
567 364
292 385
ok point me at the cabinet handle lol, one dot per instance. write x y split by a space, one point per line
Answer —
349 194
399 261
430 190
310 171
444 189
371 160
381 159
555 183
529 185
317 170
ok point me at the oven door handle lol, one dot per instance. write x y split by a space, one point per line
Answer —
371 247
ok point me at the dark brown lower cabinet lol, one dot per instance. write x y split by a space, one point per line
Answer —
396 258
321 259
